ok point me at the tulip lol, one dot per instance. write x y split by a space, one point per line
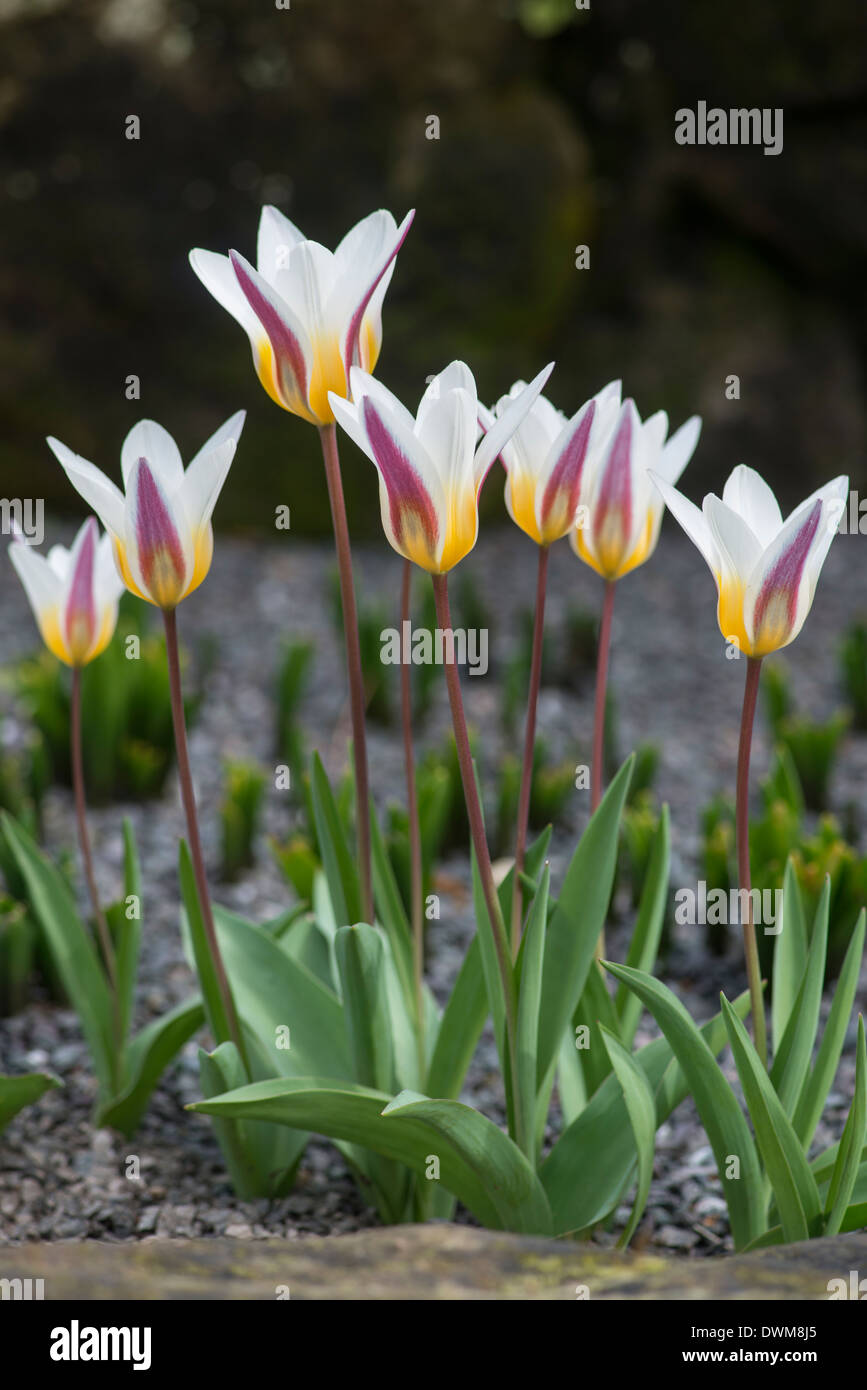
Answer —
163 543
619 516
311 316
74 595
544 462
431 470
161 525
766 571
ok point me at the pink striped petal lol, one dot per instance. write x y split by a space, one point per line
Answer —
351 354
563 486
412 511
775 618
284 336
80 615
158 553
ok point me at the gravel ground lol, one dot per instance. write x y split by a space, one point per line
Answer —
60 1179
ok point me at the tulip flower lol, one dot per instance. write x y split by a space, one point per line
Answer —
311 315
766 571
544 462
619 516
161 525
163 543
431 469
74 595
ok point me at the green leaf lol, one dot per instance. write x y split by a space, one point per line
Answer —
571 1087
215 1011
460 1027
795 1190
790 955
72 951
337 859
644 946
127 930
815 1092
529 1000
578 919
478 1163
599 1145
715 1101
361 963
274 993
261 1159
16 1092
390 911
641 1108
147 1057
594 1007
851 1145
792 1061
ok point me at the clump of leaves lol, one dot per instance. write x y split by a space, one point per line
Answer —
813 745
239 816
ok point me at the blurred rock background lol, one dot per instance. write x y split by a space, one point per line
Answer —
556 130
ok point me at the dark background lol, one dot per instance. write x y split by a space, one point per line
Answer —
557 128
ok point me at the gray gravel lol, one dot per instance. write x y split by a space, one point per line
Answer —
60 1179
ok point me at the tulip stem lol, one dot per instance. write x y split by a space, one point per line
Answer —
751 689
105 941
328 438
529 748
597 775
480 844
188 797
415 858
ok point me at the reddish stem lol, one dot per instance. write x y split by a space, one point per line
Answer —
751 953
477 831
188 797
529 747
416 898
597 777
328 437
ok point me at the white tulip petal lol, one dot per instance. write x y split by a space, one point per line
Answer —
678 451
151 441
98 491
203 482
492 443
747 493
692 520
42 585
736 543
275 239
230 429
218 277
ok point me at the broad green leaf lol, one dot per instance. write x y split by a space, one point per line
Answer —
715 1101
529 999
16 1092
147 1057
361 962
790 956
480 1165
815 1092
578 919
261 1159
337 859
307 944
598 1145
641 1108
571 1088
848 1162
795 1191
127 929
644 945
298 1021
595 1007
72 951
460 1027
792 1062
390 910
